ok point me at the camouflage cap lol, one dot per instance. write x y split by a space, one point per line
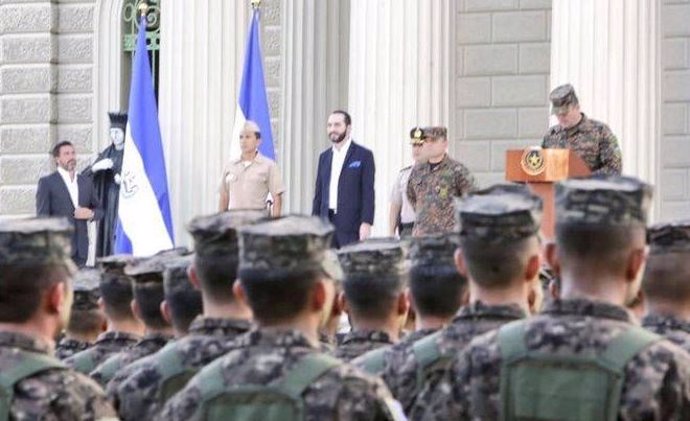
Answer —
375 259
86 286
603 200
504 212
434 132
434 250
561 98
669 237
36 241
175 275
114 264
291 244
216 235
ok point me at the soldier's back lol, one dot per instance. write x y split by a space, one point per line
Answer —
671 328
107 344
265 359
67 347
359 342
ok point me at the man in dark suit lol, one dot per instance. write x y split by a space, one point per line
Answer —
68 194
344 191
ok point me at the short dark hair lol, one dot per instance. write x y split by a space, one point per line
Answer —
22 287
149 296
667 277
277 296
185 305
346 116
372 299
494 265
116 293
56 149
604 248
85 322
436 290
217 275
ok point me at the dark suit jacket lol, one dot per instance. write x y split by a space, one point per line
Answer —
52 199
355 192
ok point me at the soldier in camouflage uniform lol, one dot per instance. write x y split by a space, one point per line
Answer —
433 184
498 230
87 320
436 292
35 295
666 283
592 140
124 330
226 316
148 292
374 295
599 257
401 213
290 289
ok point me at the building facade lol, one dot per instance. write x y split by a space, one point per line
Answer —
483 68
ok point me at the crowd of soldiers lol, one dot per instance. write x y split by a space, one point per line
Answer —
466 324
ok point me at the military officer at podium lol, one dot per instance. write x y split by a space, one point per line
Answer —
592 140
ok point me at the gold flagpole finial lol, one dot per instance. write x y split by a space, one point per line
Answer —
143 8
256 4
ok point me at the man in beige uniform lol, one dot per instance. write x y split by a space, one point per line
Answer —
247 181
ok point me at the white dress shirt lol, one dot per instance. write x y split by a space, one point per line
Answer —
336 169
72 186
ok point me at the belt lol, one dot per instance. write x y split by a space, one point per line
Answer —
409 225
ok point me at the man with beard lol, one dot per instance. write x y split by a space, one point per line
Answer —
105 173
344 192
68 194
35 301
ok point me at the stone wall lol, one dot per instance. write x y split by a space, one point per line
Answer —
46 92
674 181
502 81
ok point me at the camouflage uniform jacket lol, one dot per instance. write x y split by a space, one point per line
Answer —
53 394
431 190
656 384
393 351
670 327
592 140
136 392
69 346
149 344
359 342
263 357
107 344
402 369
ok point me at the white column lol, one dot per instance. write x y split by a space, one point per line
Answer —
609 51
400 67
314 83
202 52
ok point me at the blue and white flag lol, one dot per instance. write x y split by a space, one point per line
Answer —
144 225
253 103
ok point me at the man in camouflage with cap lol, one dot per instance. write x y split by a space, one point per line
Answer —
401 213
35 303
592 140
287 278
225 317
87 320
433 184
499 253
124 330
584 356
374 295
148 293
436 292
666 282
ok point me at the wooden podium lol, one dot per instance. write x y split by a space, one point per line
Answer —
540 169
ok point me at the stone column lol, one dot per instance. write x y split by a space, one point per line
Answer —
314 59
400 67
28 112
609 51
202 53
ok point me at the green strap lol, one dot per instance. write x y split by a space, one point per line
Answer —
374 361
625 346
31 364
169 362
109 368
84 363
305 372
511 340
426 350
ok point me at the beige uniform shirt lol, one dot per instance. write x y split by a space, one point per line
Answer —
248 183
